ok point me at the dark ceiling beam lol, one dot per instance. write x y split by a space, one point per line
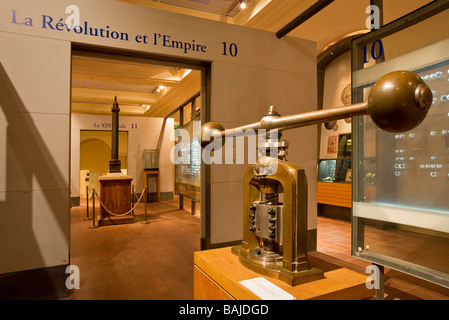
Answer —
340 46
232 7
314 9
414 17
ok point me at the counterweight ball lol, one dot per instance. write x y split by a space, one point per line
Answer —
399 101
208 131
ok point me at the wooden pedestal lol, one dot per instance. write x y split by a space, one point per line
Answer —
116 196
217 274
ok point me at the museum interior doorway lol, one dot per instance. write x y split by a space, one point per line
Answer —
148 89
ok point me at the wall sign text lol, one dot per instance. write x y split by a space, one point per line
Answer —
73 24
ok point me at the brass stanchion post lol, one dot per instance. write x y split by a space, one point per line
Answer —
145 199
93 226
132 199
87 204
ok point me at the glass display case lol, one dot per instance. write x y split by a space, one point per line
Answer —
338 169
326 170
187 171
150 159
400 180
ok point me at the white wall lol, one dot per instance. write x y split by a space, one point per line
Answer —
34 122
265 71
143 133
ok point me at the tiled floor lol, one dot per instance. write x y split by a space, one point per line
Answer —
334 242
136 261
155 260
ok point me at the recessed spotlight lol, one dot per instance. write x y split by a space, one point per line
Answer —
146 107
242 4
158 89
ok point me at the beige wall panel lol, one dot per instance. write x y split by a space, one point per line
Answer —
242 95
34 195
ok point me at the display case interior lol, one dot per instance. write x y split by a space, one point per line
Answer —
338 169
401 179
326 170
187 181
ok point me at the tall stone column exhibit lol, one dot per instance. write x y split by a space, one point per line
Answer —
115 186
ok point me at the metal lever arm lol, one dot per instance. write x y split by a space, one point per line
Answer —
398 102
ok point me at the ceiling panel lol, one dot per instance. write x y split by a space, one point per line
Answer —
138 85
219 7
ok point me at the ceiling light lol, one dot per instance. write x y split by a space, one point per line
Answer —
240 3
146 107
158 89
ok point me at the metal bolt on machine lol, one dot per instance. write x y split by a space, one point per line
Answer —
274 231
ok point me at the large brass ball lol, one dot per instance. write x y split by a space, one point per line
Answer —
208 132
399 101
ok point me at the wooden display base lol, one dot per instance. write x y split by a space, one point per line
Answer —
217 273
291 278
107 221
116 196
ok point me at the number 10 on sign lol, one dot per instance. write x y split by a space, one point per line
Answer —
229 49
377 50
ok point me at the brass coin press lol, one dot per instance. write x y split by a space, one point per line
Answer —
275 190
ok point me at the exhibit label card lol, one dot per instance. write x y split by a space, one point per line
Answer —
266 290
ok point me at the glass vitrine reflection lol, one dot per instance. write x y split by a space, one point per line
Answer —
338 169
405 179
326 170
401 182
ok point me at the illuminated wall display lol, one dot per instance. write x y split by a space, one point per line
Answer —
401 179
421 155
186 155
424 151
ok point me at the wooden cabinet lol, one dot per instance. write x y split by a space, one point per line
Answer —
207 289
115 194
336 194
335 175
154 173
